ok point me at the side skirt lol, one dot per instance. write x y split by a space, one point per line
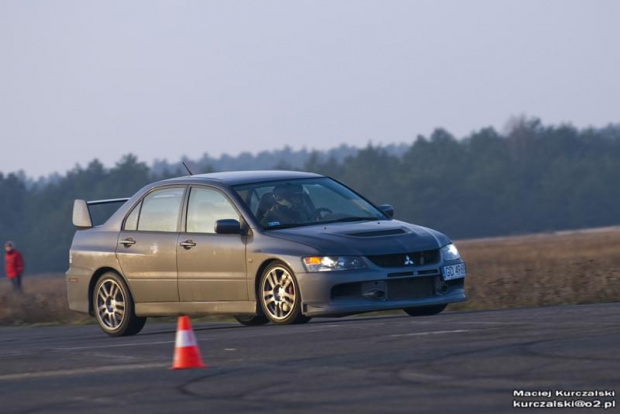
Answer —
195 308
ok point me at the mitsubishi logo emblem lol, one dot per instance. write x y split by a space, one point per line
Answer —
408 261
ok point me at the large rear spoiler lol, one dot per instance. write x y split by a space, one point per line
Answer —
81 212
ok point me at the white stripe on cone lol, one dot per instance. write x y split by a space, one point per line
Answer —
185 339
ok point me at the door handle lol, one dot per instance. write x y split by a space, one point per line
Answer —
188 244
127 242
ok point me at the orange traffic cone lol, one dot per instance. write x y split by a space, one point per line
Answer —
186 352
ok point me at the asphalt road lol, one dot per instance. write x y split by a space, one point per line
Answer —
454 362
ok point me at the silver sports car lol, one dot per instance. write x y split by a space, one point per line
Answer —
264 246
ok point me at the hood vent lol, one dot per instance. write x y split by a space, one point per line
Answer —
377 233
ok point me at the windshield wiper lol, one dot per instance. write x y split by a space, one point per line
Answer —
345 219
312 223
286 226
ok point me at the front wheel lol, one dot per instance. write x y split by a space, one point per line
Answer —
279 295
425 310
114 308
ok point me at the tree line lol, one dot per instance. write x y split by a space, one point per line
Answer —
532 178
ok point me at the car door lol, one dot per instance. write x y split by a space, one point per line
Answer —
147 249
212 267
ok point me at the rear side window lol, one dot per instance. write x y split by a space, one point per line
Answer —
205 207
160 210
131 224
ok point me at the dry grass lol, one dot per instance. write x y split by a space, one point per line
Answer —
43 301
541 270
538 270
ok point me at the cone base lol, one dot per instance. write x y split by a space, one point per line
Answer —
187 358
203 366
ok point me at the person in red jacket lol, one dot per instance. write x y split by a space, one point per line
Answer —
13 265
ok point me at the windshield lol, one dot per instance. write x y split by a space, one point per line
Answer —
292 203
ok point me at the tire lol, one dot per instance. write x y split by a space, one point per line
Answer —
114 307
252 320
425 310
279 295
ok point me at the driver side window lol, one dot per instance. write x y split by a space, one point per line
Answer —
205 208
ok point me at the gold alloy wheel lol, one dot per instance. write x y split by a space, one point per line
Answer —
110 304
278 293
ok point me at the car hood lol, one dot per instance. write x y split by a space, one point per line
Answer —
364 238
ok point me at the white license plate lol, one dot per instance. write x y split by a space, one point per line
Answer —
453 272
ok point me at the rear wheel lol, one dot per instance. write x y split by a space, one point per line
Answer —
279 295
114 307
425 310
251 320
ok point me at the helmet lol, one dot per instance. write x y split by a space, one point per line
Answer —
288 195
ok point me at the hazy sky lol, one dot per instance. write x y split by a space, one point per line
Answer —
90 79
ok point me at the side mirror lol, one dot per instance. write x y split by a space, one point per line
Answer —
387 209
81 215
227 226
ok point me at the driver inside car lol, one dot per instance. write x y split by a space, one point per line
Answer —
289 206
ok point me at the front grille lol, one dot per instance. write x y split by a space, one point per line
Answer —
400 260
428 272
397 289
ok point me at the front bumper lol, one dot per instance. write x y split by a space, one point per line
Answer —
341 293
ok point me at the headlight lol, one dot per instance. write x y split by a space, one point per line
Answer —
329 263
450 252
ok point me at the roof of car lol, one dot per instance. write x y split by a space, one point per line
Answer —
243 177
